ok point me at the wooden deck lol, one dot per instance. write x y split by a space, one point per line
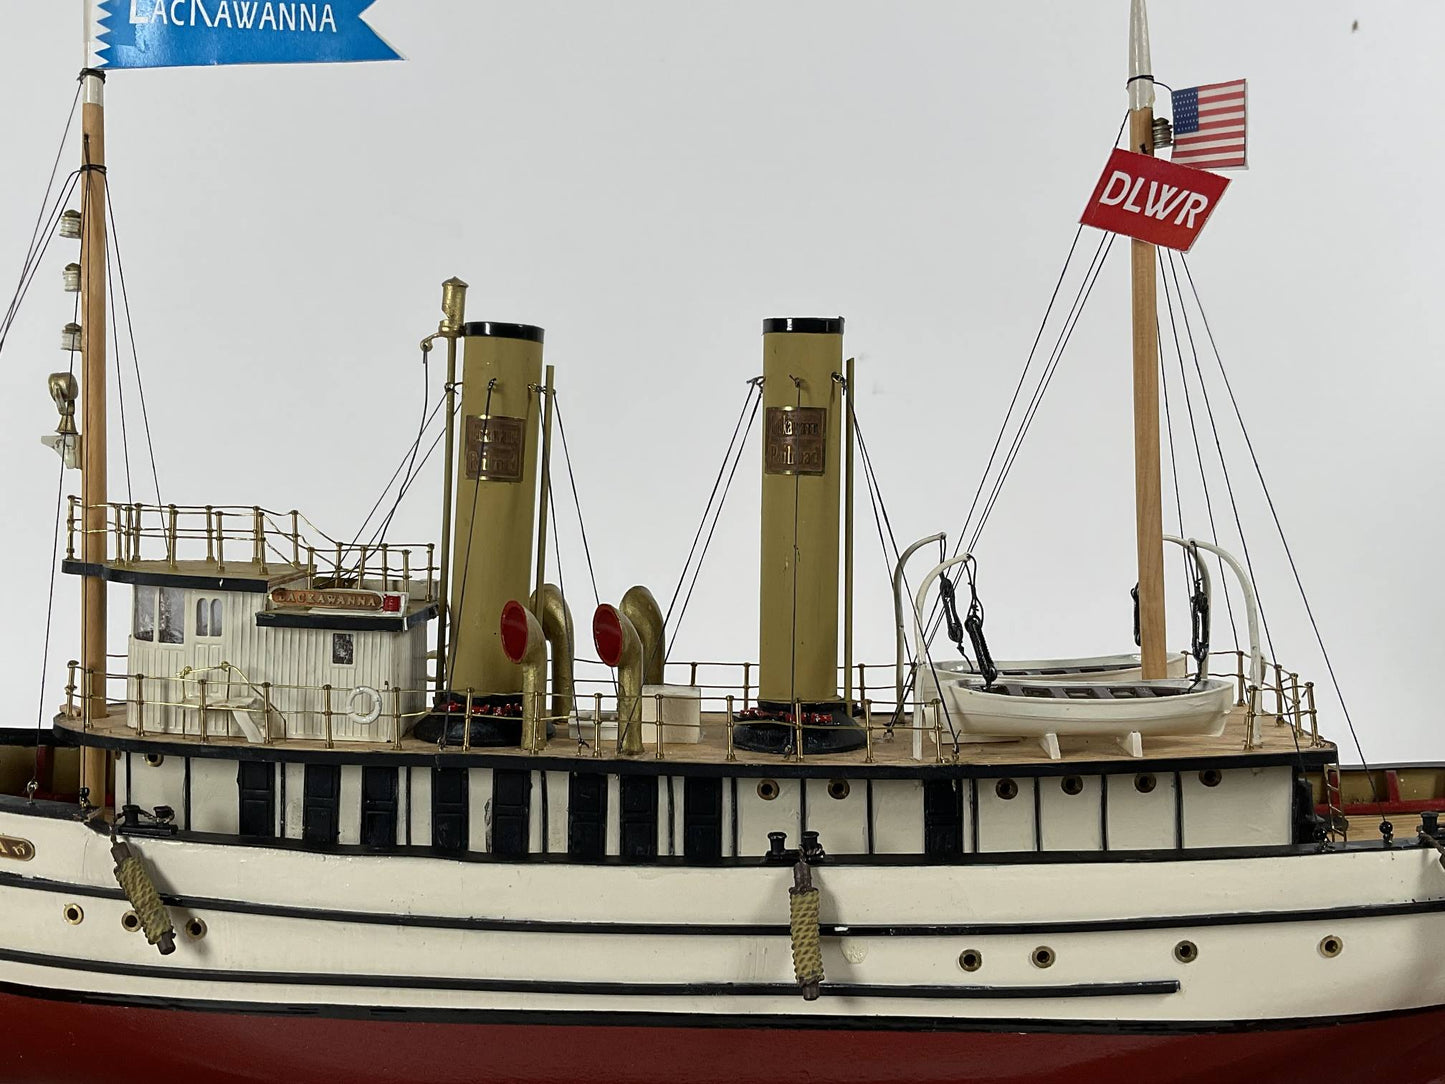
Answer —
885 750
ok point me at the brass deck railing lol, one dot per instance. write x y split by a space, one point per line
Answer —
269 541
152 705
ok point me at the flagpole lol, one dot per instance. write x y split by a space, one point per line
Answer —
93 406
1148 510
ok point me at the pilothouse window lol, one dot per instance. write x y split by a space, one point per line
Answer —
144 626
208 617
172 615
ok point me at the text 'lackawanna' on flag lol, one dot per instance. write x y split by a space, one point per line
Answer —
1209 126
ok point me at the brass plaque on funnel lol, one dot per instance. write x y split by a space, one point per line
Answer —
795 440
496 454
21 850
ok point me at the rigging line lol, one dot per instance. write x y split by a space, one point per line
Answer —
576 501
793 632
409 454
471 526
415 475
1169 431
754 387
707 543
1279 527
1086 290
1224 470
120 384
1169 298
130 328
49 185
33 260
1071 321
1018 388
49 616
416 447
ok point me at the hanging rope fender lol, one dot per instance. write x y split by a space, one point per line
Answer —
803 928
130 871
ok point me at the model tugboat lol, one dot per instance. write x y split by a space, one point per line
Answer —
358 811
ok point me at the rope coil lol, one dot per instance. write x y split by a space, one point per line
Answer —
140 890
803 901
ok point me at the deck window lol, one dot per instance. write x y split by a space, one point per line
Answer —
208 617
449 809
343 649
172 615
256 781
321 803
378 807
144 625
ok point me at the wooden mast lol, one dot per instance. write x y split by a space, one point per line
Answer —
1148 511
93 406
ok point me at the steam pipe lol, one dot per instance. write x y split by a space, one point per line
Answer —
551 607
640 608
618 645
525 644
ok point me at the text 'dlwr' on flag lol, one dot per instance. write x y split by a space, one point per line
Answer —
1153 200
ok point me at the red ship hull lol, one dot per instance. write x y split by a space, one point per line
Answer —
61 1041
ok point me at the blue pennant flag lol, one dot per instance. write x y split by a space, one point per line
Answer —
182 33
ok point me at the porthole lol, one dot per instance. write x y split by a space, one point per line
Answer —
1043 956
1186 952
767 790
838 788
970 959
195 929
130 922
1006 789
155 760
73 914
1331 946
1072 784
1210 777
1144 782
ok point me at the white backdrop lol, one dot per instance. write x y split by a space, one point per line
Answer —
649 180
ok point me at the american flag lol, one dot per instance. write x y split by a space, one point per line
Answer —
1209 126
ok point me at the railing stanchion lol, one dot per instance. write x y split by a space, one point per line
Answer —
729 724
140 705
1295 703
396 715
406 570
868 731
692 674
657 698
171 528
266 711
70 528
326 711
1278 694
937 706
1239 700
747 689
797 730
596 724
210 536
201 708
431 584
70 689
258 542
220 541
1314 717
295 538
467 725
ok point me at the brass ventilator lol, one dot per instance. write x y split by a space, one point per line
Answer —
64 390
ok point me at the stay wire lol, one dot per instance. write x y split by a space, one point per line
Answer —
576 500
717 516
471 527
754 388
34 258
49 618
1284 542
1169 299
120 381
130 329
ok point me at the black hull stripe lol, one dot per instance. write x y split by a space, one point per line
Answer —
592 989
779 769
809 1021
700 929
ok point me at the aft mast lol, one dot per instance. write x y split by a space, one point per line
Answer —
93 405
1148 513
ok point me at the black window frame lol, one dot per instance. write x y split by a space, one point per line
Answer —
321 811
256 799
380 805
